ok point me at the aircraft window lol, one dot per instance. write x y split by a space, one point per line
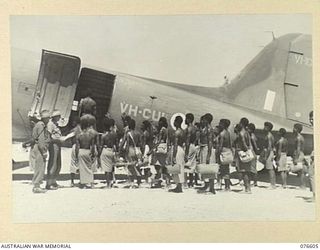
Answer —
26 88
75 106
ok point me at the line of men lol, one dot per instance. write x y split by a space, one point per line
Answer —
153 152
47 139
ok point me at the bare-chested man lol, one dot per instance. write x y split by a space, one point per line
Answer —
281 156
147 146
224 152
123 143
244 146
255 149
269 155
133 153
87 104
207 154
147 137
109 142
191 151
311 167
86 152
178 154
162 149
74 169
298 155
92 129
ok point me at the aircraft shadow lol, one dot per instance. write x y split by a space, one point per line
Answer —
306 198
19 165
263 176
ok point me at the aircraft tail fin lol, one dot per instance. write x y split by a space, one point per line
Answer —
278 81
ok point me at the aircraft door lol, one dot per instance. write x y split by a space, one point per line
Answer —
56 85
298 81
101 85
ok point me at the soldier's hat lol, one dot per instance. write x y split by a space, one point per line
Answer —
37 116
56 113
45 114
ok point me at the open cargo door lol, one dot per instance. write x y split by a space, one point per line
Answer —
57 83
298 81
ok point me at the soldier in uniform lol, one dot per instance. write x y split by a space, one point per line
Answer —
30 143
54 163
41 140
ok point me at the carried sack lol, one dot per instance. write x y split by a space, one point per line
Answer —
260 166
137 150
246 156
208 168
122 171
262 157
121 167
175 169
162 148
296 167
123 145
298 158
226 157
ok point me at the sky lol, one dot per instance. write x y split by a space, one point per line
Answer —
190 49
